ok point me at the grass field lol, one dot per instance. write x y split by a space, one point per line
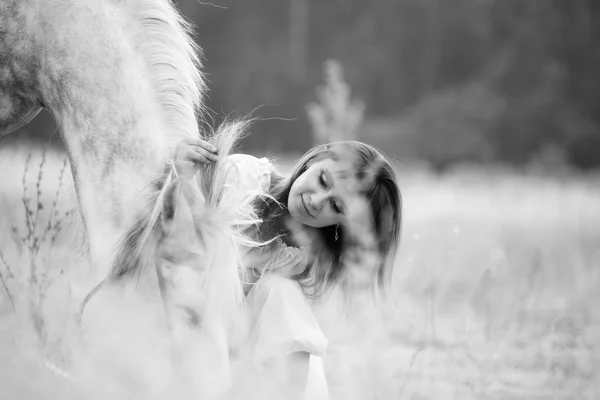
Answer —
493 296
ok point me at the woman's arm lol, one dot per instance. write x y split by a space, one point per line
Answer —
291 374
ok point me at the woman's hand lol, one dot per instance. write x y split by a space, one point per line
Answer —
191 152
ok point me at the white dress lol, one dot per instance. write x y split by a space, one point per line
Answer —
281 318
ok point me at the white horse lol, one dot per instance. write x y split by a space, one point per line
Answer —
122 79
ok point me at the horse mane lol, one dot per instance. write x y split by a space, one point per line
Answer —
135 252
173 58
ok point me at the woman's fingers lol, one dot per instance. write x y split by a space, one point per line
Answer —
202 144
196 151
200 156
206 153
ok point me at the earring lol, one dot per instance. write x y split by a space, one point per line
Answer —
336 232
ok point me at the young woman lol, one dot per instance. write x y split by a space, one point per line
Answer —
306 225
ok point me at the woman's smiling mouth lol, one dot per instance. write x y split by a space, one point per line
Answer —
305 207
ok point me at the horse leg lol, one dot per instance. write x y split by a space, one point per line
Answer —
118 109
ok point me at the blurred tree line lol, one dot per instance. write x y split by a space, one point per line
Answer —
447 80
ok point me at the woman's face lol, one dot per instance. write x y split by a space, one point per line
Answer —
319 196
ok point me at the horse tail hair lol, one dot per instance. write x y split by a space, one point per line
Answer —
214 175
229 208
133 251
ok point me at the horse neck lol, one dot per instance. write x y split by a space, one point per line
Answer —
123 85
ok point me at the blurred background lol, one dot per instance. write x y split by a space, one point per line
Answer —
488 81
491 109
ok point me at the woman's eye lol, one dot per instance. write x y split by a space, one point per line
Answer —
322 180
336 208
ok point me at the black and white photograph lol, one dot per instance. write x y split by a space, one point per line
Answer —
299 200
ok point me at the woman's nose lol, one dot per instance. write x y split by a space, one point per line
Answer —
317 200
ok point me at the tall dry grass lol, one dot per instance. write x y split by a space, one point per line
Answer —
494 298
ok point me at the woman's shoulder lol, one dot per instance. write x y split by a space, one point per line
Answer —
238 158
248 161
248 171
